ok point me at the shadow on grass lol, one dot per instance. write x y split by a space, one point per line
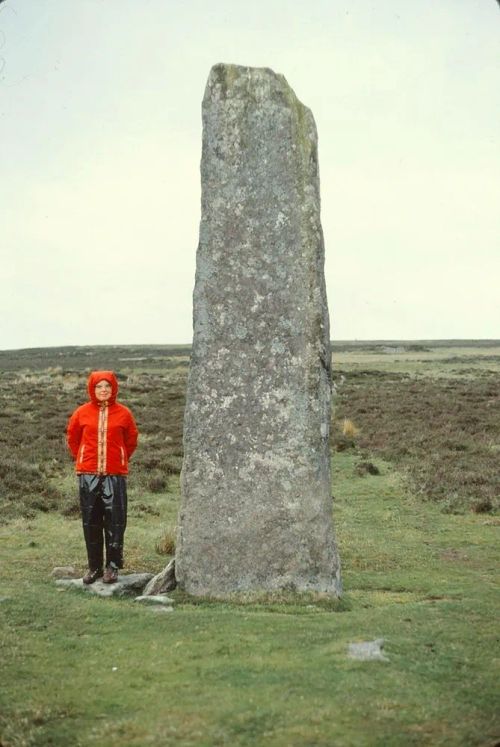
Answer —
281 602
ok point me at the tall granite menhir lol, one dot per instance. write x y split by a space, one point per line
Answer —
256 497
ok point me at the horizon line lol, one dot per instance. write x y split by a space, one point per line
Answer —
352 341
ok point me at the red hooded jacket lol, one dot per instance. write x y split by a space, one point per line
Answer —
102 436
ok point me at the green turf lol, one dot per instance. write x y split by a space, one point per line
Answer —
77 670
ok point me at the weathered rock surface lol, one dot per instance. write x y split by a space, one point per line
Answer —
163 581
131 584
256 505
367 650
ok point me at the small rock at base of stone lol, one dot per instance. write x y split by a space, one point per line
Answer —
163 581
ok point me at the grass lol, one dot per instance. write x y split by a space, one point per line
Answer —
35 468
85 671
443 433
273 669
349 429
430 411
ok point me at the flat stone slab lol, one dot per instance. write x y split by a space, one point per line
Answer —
367 650
155 599
127 585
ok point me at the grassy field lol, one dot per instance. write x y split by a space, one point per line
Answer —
418 542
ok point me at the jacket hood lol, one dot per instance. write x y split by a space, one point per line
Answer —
97 376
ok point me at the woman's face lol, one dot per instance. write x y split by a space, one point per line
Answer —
103 391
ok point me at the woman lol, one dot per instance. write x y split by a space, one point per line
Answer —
102 436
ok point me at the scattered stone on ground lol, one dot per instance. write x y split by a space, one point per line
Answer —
127 585
154 599
163 581
159 608
64 571
256 509
366 468
367 650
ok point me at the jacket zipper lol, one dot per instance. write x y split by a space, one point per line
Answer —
102 437
81 453
123 456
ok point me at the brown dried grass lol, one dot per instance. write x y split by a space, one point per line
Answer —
349 430
438 432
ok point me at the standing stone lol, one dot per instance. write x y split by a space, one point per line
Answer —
256 497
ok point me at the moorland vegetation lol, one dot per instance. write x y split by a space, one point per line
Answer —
433 414
415 501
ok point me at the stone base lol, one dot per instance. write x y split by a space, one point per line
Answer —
131 584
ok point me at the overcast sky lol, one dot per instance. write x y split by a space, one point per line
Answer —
100 143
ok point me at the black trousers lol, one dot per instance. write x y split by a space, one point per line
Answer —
103 504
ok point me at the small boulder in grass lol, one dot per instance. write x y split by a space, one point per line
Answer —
366 468
64 571
367 650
